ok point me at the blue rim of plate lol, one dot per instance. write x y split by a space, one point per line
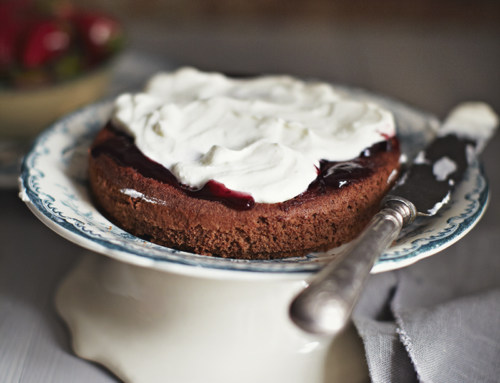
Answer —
53 184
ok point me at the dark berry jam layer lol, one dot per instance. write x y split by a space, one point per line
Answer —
331 175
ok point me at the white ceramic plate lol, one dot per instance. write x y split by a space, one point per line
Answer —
53 183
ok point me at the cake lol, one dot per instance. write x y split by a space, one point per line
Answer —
258 168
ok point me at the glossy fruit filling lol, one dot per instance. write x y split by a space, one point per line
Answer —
331 175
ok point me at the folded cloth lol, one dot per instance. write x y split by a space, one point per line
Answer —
437 320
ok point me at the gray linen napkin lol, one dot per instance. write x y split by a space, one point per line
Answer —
438 320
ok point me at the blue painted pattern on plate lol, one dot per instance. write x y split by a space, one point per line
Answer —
54 184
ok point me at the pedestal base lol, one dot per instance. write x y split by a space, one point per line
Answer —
151 326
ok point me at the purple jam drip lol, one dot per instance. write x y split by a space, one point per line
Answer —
331 175
214 190
122 149
338 175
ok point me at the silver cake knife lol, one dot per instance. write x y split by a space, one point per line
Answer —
326 304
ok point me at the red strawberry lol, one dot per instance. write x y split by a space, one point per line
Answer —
11 10
101 34
46 40
12 22
9 33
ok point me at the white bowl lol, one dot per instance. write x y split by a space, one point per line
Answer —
25 113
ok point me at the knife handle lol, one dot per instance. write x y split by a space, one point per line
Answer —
325 306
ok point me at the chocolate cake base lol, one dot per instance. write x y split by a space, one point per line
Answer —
323 217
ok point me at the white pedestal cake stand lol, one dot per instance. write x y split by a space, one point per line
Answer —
151 326
152 314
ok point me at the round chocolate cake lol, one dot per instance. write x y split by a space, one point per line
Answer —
151 200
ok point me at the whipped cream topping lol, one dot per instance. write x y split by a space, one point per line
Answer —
263 136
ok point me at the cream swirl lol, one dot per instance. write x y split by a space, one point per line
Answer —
263 136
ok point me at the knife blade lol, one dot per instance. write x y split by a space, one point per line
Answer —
326 304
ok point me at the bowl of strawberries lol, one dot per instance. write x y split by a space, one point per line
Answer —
54 57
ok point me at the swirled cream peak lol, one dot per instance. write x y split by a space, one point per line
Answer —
263 136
